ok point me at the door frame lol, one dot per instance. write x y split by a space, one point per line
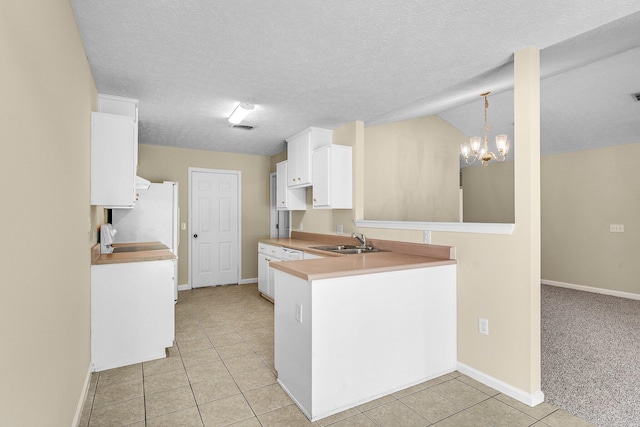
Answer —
218 171
273 213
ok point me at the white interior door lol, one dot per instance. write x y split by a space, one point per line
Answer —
214 227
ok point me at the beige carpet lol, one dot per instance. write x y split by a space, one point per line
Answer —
591 355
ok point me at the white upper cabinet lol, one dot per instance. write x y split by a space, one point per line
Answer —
114 152
288 199
299 151
332 178
118 105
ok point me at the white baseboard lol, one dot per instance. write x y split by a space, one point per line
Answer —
186 286
530 399
603 291
83 398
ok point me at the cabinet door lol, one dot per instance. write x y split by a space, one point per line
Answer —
132 312
299 151
289 199
299 157
281 185
113 160
263 273
332 177
321 170
271 291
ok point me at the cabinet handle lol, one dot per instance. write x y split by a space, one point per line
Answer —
283 202
314 200
293 179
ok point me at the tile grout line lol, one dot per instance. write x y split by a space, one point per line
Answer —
144 395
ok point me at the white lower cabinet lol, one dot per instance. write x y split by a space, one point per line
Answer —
132 312
266 254
265 275
269 253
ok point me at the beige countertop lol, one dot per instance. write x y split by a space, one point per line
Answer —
400 256
134 252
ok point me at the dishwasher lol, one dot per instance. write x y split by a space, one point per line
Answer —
266 254
291 254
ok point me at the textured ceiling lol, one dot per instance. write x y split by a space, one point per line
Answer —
323 63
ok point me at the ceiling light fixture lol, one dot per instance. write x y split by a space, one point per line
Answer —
480 148
240 113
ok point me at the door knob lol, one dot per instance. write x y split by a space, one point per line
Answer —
195 235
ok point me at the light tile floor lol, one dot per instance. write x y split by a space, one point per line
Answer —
221 372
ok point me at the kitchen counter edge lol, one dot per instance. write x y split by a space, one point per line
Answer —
124 257
400 256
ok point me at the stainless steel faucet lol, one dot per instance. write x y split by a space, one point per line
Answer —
361 238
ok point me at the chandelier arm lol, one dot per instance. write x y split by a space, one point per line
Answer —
499 157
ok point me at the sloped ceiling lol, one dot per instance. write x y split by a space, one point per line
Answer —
327 63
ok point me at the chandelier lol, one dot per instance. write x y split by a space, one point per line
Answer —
479 148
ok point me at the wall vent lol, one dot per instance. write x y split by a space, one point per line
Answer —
247 127
636 96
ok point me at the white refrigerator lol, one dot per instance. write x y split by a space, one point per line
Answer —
154 218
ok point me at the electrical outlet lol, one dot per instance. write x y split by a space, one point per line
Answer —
483 326
299 313
616 228
339 229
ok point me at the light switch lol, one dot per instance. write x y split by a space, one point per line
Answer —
483 326
616 228
183 226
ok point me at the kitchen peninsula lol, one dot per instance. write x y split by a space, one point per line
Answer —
353 328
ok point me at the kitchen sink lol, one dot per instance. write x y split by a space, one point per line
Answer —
332 248
348 249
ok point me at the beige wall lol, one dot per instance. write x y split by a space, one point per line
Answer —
488 193
157 164
412 171
45 110
277 158
582 194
